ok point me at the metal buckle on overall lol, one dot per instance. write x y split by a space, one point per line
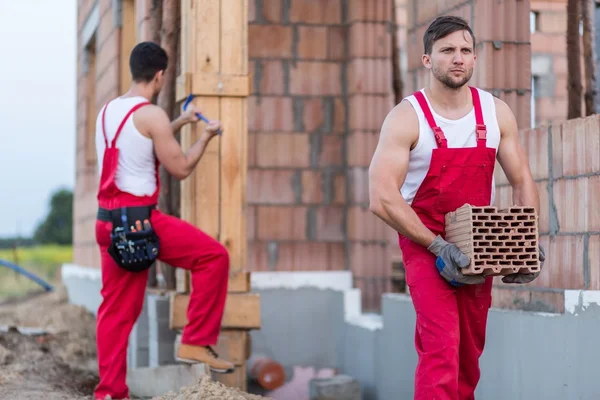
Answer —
481 131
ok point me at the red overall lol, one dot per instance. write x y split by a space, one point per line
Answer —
451 322
181 245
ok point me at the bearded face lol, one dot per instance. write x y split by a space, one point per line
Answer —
452 59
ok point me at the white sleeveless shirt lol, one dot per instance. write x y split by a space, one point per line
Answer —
459 133
137 163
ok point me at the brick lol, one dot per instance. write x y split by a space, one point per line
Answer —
367 259
331 152
535 145
270 41
316 78
503 67
564 266
339 116
551 110
364 226
560 65
316 11
312 43
555 6
336 43
369 40
270 187
313 114
282 150
281 223
360 148
251 149
552 22
330 224
529 300
257 256
594 261
367 112
578 145
373 10
359 185
312 187
339 189
499 242
548 43
251 11
369 76
272 10
271 77
308 256
270 114
251 222
573 199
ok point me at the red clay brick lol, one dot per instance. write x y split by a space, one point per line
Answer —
548 43
312 43
272 81
535 145
573 199
272 11
251 153
336 43
564 268
360 148
594 261
270 187
316 11
251 222
313 114
369 76
367 260
553 5
367 112
303 256
339 189
513 299
337 256
330 223
281 223
251 11
339 116
282 150
273 114
331 151
553 22
316 78
578 146
312 187
257 256
373 10
270 41
369 40
364 226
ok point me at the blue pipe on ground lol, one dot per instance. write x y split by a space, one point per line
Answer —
28 274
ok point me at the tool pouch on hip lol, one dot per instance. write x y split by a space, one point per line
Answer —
134 244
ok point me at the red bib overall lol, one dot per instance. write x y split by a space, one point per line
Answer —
181 245
451 322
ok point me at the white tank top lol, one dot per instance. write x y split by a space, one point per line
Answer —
459 133
136 168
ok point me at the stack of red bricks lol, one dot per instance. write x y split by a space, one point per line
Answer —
499 242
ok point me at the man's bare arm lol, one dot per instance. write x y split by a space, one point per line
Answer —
513 160
155 122
387 173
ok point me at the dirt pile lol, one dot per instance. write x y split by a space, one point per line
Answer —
208 389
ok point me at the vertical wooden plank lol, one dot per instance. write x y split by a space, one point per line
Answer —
233 144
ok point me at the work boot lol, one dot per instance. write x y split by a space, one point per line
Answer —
191 354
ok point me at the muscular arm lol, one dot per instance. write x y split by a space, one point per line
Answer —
153 121
387 173
513 160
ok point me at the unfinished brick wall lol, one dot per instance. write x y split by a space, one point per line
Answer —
565 162
549 61
100 77
503 48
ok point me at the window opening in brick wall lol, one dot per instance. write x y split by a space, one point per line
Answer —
533 21
90 129
128 41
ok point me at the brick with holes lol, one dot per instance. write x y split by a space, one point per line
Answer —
498 242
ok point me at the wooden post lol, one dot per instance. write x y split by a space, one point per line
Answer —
214 67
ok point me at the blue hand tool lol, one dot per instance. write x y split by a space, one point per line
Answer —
202 117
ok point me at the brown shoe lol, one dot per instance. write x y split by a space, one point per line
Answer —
203 354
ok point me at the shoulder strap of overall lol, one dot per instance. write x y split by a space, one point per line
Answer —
480 128
135 108
440 138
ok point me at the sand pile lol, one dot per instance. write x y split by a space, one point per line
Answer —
208 389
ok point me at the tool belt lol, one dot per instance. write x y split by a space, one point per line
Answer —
134 244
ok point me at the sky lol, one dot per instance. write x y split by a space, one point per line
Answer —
38 43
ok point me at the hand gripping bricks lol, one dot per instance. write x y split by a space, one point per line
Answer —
498 242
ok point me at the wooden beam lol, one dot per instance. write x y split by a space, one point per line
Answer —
242 311
234 346
207 85
239 281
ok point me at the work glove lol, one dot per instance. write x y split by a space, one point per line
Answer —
450 260
526 278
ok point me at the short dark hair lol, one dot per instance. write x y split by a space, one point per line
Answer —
442 27
146 59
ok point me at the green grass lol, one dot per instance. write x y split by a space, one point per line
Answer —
43 261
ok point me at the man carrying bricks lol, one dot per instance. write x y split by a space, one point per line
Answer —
437 150
132 137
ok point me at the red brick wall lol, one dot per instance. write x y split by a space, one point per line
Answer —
503 49
565 163
549 61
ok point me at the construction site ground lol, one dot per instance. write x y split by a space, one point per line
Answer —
48 351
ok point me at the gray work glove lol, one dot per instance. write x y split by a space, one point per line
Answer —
526 278
450 260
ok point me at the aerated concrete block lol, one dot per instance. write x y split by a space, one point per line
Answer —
138 340
499 242
161 338
339 387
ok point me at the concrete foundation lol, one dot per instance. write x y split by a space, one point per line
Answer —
528 355
156 381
